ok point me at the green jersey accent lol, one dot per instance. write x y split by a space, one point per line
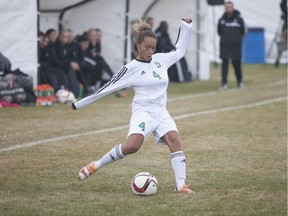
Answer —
156 75
142 126
157 64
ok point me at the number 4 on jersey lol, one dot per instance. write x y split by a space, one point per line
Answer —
142 126
156 75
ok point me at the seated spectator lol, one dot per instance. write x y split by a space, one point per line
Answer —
61 70
85 64
52 35
95 36
72 43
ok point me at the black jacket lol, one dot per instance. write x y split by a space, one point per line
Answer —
231 31
59 56
164 43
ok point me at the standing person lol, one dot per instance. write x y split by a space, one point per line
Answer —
164 43
231 30
147 75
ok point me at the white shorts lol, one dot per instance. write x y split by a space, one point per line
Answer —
158 122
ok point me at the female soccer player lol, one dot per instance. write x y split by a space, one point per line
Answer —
147 75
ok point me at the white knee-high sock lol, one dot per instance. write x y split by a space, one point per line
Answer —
178 161
113 155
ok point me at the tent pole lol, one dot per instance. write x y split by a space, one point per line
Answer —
38 43
149 8
214 37
198 38
126 31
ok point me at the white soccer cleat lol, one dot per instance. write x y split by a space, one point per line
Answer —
86 171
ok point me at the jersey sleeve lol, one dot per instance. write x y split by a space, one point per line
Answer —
121 80
181 46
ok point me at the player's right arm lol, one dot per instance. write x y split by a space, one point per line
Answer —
121 80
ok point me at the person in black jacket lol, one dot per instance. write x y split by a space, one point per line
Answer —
61 70
86 63
231 29
95 37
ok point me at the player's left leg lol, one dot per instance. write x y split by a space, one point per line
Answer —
178 160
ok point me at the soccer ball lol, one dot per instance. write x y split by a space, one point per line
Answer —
65 96
144 184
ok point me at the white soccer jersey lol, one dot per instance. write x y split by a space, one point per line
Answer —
148 79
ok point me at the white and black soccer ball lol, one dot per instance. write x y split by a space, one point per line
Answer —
144 184
64 96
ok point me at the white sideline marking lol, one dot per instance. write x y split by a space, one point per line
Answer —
25 145
179 117
190 96
224 109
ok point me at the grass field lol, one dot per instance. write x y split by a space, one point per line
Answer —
236 153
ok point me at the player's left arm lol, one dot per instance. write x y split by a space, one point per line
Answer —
182 43
121 80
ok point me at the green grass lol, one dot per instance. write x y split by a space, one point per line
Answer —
236 160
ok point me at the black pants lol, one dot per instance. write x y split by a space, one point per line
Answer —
57 78
237 69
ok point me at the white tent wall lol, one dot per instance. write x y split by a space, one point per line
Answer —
256 13
18 39
48 20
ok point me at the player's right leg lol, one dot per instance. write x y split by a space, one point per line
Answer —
131 146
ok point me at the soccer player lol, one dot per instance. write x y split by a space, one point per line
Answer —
147 75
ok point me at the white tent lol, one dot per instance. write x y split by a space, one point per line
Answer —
18 38
18 26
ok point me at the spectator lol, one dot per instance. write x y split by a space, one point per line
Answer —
231 30
95 36
86 63
52 35
179 71
164 42
72 44
61 70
